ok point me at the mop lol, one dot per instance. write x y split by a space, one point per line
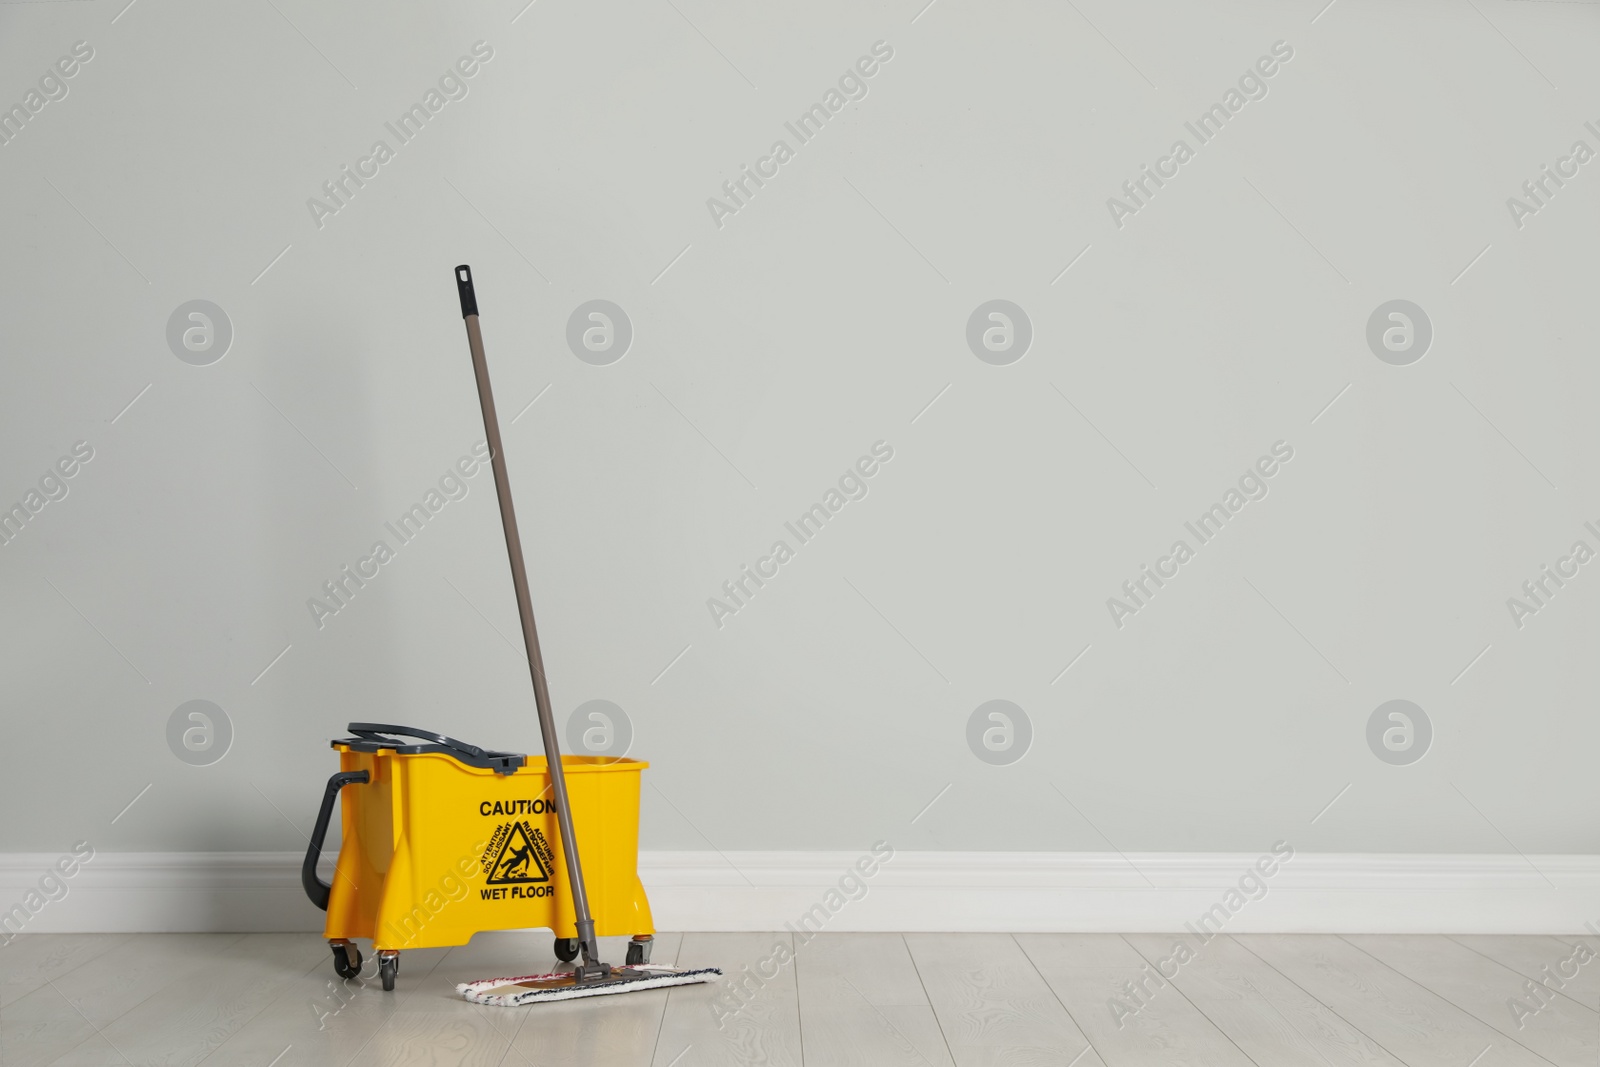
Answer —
591 977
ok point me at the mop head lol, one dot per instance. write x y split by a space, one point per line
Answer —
561 985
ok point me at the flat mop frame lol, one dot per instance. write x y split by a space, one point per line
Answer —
591 976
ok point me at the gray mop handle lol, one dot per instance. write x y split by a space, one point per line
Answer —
530 635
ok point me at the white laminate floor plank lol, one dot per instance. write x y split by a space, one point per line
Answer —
708 1026
1562 1031
111 984
862 1003
618 1030
992 1004
73 1008
28 960
435 1039
1413 1023
40 1027
842 1000
320 1019
1540 957
1270 1019
1152 1023
876 968
184 1022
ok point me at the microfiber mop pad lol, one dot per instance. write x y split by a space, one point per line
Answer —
563 985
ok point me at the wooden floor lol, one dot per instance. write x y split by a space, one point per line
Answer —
884 1000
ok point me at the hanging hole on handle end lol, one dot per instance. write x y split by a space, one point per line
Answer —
469 300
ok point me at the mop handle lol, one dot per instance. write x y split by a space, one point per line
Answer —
530 635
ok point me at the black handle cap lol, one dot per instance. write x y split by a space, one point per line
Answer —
469 299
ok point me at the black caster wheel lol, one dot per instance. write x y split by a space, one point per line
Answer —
388 967
346 960
566 949
638 952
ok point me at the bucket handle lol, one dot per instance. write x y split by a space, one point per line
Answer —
316 888
374 731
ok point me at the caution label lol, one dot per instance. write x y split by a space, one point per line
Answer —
518 860
538 806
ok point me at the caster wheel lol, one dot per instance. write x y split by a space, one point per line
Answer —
347 960
638 952
388 967
566 949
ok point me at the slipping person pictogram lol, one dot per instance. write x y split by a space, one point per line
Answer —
517 861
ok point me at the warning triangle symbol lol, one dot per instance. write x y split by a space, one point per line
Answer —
517 861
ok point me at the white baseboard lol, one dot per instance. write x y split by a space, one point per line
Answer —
921 891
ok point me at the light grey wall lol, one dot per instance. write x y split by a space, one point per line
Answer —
769 353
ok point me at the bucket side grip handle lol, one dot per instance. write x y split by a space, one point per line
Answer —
316 889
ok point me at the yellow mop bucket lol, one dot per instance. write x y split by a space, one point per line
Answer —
442 839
